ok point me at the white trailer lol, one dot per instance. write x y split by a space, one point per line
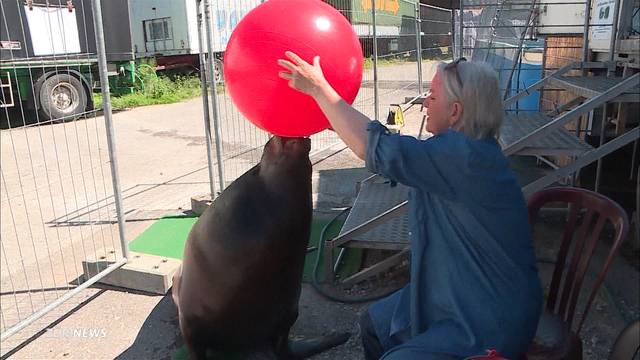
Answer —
168 29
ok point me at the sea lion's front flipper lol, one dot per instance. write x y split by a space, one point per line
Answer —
305 348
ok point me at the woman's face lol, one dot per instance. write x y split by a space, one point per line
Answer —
441 114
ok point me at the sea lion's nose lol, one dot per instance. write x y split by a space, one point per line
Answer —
285 140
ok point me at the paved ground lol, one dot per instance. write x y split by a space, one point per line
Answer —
138 326
56 189
161 165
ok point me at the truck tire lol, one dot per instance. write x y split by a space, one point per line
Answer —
219 71
62 96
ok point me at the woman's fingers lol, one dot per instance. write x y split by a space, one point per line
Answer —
288 65
285 75
295 58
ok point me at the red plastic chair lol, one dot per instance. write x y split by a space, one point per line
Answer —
588 212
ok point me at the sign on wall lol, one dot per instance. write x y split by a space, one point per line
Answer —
602 18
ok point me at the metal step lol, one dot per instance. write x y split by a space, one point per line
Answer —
373 199
515 126
592 86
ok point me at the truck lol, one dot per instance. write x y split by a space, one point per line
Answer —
48 59
167 30
395 24
48 55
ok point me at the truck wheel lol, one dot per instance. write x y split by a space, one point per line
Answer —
62 96
219 71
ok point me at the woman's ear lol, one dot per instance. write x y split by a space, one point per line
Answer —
456 113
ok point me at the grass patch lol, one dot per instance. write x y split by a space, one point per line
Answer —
368 62
156 90
404 58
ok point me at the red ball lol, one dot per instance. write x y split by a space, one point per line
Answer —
308 28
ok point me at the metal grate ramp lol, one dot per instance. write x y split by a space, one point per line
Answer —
559 142
592 86
374 198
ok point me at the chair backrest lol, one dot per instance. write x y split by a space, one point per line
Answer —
581 237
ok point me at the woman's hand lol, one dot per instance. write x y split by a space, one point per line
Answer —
349 123
303 76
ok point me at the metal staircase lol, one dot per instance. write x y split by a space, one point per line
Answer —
539 134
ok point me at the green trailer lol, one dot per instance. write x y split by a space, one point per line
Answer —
395 23
57 88
48 59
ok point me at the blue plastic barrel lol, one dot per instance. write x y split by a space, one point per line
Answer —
528 72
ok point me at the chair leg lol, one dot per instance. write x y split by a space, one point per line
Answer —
575 348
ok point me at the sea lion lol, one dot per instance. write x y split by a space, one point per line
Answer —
240 281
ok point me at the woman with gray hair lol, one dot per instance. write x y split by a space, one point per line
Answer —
474 284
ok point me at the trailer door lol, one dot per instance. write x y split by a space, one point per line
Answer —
53 29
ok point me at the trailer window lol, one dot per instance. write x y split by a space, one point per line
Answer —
157 29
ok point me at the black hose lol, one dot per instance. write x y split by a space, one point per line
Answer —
314 276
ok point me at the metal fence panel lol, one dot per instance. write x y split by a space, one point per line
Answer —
61 201
389 76
437 39
58 178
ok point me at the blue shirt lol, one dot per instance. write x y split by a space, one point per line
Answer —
474 282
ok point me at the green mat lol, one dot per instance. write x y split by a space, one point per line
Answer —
167 236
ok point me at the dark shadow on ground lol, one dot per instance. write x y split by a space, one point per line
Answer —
159 337
43 331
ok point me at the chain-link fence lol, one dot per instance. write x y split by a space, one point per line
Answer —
524 40
501 33
388 35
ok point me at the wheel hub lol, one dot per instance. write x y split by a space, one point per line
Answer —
64 96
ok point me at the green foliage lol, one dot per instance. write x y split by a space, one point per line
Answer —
368 62
153 89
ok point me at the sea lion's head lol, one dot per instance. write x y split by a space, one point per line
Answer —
279 146
286 156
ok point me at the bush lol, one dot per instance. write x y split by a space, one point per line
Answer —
153 89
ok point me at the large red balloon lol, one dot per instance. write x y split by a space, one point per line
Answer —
308 28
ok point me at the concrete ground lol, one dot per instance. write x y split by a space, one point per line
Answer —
110 323
127 325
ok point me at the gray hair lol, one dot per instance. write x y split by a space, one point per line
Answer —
482 106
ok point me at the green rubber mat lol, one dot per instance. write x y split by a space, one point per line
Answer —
167 236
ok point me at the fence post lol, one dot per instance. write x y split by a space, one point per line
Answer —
214 93
376 100
613 38
461 25
585 33
106 103
610 70
205 100
419 46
